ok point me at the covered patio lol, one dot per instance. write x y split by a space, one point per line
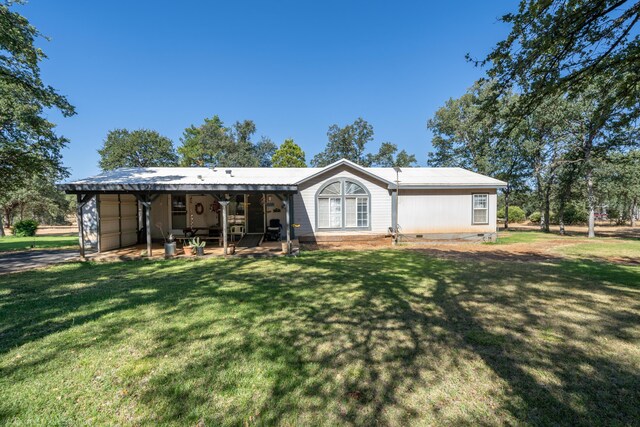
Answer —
129 212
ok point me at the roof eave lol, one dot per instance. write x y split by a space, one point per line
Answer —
72 188
447 186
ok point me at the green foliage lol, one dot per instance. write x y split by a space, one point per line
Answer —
197 243
136 149
25 228
516 214
350 143
29 144
37 198
535 217
386 157
574 213
557 47
289 155
214 145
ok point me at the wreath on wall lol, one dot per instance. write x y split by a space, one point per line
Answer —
199 208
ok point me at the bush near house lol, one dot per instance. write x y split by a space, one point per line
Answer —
516 214
25 228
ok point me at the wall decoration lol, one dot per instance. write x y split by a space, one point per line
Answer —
199 208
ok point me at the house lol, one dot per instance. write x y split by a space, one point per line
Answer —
341 201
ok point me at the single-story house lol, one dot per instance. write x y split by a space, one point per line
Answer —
341 201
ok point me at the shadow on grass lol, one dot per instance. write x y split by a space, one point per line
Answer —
387 337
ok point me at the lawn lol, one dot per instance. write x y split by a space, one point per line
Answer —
510 237
604 248
389 337
13 243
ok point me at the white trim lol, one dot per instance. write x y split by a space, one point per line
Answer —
344 162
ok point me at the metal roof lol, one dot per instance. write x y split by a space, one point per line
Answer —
265 179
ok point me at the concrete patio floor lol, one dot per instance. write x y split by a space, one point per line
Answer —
157 250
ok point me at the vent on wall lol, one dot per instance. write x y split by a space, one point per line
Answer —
419 236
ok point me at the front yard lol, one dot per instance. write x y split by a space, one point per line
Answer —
13 243
389 336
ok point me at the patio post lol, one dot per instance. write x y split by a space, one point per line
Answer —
287 203
146 202
80 223
225 223
147 218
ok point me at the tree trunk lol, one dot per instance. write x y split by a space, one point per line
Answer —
541 200
545 218
561 217
591 203
632 216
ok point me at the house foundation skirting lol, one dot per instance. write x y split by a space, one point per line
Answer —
326 238
448 237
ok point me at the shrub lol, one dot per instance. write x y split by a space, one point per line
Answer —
516 214
575 214
535 217
25 228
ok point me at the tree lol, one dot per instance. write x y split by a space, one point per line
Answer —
463 136
557 47
289 155
467 136
350 143
28 143
386 157
37 198
136 149
214 145
618 183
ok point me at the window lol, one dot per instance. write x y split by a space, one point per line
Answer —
480 208
343 204
178 211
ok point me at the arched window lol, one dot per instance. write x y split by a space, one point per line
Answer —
343 204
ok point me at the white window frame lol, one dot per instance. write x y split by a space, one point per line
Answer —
342 197
474 209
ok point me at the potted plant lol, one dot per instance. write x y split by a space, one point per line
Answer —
197 246
169 245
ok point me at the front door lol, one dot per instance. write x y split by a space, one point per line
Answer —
255 214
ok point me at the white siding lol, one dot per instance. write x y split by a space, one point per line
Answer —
90 224
442 211
304 201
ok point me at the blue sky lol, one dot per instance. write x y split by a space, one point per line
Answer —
294 67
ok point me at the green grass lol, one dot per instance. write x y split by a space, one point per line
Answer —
328 338
13 243
604 248
510 237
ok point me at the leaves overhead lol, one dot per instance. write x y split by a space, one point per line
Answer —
212 144
28 142
350 142
136 149
559 47
289 155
